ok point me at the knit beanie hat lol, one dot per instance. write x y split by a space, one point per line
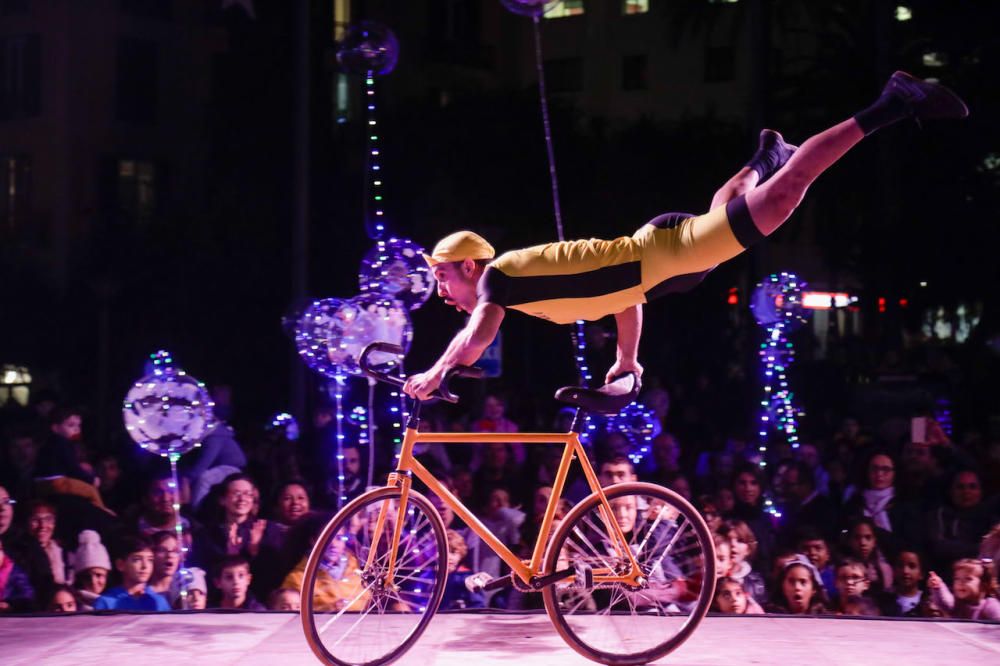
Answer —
90 553
198 580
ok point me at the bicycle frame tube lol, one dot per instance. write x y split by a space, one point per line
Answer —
572 447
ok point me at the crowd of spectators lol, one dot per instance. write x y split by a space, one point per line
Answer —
857 522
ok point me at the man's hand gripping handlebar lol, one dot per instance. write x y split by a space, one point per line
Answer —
442 392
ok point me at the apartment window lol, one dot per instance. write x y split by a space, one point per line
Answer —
137 81
342 95
634 72
20 76
635 6
137 189
564 75
15 184
565 8
720 64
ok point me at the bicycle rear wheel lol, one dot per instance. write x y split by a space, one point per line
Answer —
616 623
350 616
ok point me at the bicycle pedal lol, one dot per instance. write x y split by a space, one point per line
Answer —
477 582
583 576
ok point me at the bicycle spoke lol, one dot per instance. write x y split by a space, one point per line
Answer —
633 623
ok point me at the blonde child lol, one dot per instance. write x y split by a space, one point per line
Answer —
974 597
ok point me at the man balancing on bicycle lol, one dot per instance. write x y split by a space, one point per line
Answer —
588 279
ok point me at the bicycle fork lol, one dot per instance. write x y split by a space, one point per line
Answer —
403 482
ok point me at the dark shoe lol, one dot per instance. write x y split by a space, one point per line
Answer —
923 99
774 152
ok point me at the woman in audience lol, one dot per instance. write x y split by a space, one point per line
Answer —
748 492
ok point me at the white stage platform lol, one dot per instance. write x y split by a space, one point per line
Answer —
275 639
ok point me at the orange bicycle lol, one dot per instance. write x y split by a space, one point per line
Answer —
626 577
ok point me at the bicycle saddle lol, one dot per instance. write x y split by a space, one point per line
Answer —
609 399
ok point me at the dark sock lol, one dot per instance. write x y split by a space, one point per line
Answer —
886 110
770 156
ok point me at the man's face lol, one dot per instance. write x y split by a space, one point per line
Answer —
917 457
352 462
619 472
625 511
69 427
456 283
161 496
42 524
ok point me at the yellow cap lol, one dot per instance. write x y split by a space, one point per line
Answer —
460 246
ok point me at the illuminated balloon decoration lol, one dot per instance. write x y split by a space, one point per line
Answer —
333 332
639 425
778 299
395 270
362 321
368 47
532 8
777 306
168 412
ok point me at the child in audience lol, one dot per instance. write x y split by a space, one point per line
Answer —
197 591
135 564
852 581
812 544
285 599
456 594
730 597
91 564
723 556
906 597
63 600
800 590
233 580
863 545
974 597
743 547
166 561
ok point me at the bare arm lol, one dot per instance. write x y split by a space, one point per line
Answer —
629 323
464 349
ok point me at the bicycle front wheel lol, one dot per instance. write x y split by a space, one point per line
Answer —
613 622
353 614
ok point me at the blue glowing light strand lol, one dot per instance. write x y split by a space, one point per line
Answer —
374 226
777 306
338 396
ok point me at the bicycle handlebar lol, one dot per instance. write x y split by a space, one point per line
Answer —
442 391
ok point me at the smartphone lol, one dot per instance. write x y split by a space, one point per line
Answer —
918 429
